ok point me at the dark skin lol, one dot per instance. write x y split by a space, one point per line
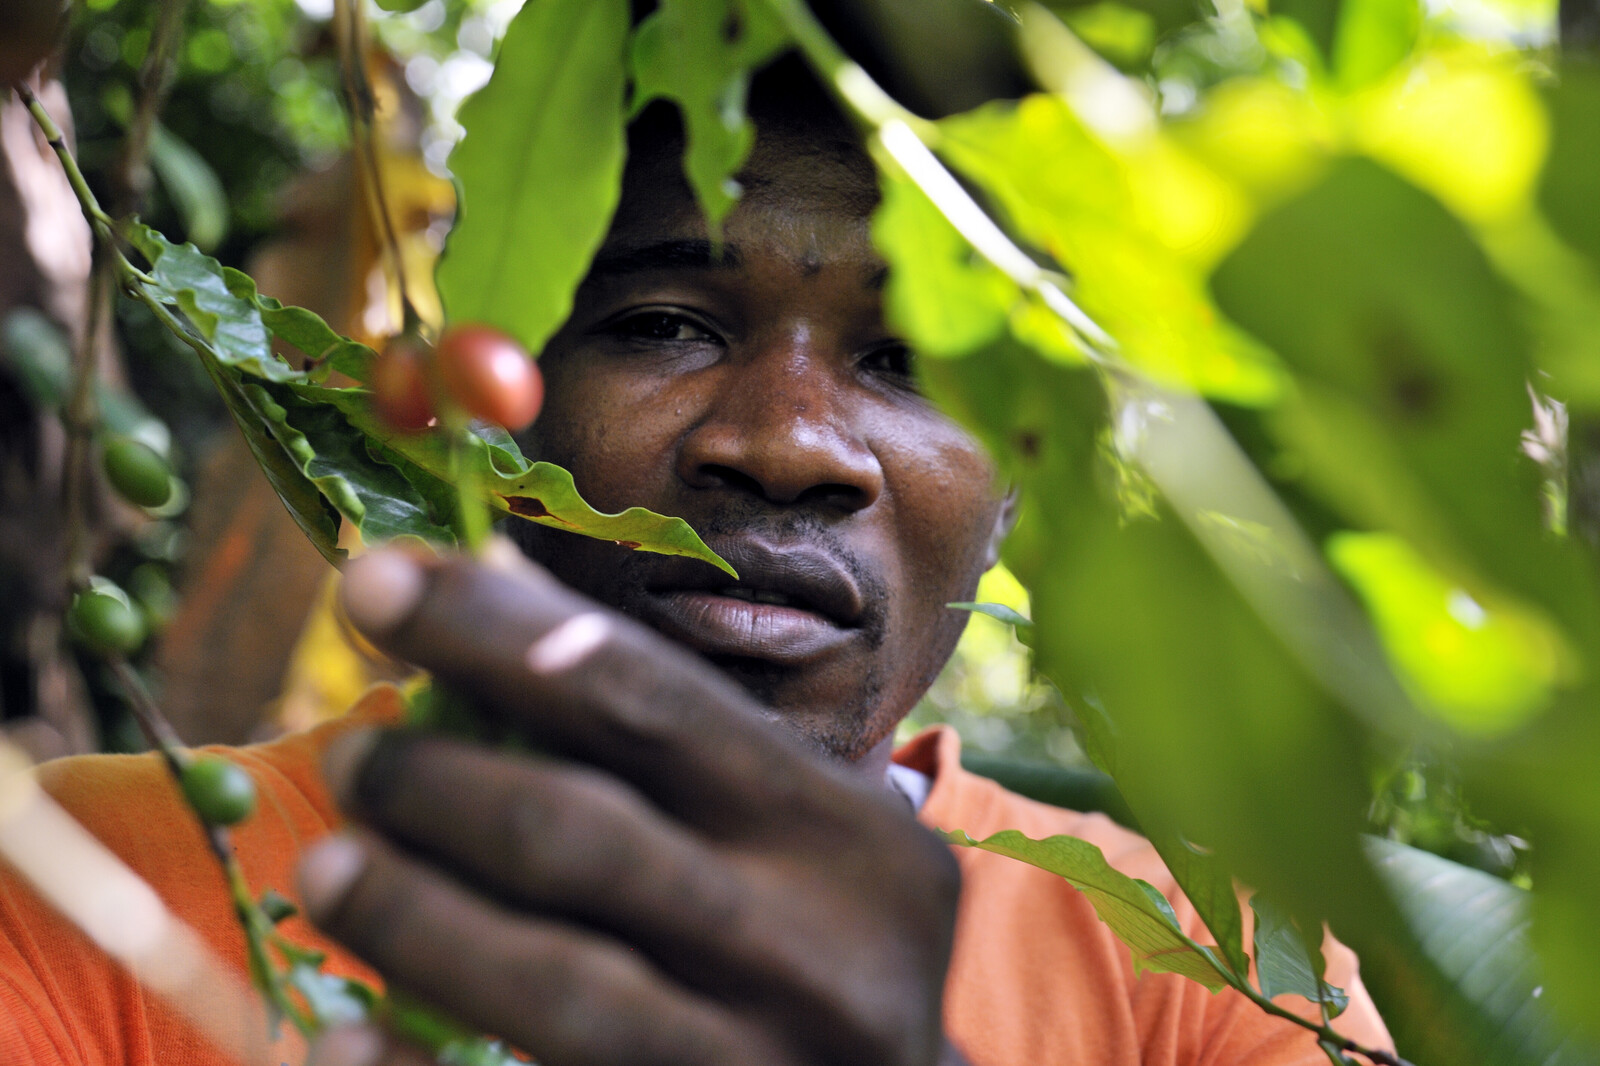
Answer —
683 878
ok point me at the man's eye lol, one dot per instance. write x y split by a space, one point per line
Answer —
894 359
660 326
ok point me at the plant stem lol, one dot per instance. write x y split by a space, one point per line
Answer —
905 137
98 219
131 177
1324 1032
79 417
350 21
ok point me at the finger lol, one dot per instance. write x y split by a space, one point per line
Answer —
583 680
565 996
555 837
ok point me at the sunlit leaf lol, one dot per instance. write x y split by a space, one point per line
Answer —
1411 380
939 296
1139 915
1485 668
539 169
1372 37
699 54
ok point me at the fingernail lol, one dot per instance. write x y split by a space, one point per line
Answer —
351 1045
381 589
569 643
342 762
327 872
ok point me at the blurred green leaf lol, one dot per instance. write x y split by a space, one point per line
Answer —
942 298
1485 670
1412 376
700 54
193 186
1373 36
1567 185
1000 612
1475 927
1140 916
539 169
35 350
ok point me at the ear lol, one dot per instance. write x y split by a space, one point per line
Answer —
1005 520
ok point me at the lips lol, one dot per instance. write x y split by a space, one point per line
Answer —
791 605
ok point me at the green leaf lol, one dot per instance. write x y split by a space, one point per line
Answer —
334 1001
539 169
1109 241
1476 929
194 283
311 511
193 186
700 54
1211 889
367 483
539 492
35 350
1140 916
1288 962
1000 612
1566 189
304 330
1373 36
939 296
1411 383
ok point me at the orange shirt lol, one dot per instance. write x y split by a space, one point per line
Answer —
1036 978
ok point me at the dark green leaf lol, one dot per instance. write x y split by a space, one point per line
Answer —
539 169
1140 916
1288 962
363 480
700 54
317 519
194 284
539 492
1476 929
304 330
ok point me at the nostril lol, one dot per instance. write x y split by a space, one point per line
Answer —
730 477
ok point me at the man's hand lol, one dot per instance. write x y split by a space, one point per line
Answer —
677 881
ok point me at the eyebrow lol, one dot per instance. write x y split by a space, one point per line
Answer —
690 254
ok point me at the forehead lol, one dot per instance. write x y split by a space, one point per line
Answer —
808 192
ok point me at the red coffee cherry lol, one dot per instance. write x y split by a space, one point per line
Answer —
400 391
490 375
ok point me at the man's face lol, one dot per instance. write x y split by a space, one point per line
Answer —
760 397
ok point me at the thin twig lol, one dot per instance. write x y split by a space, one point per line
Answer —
130 179
360 108
79 417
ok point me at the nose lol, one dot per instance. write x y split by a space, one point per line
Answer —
782 425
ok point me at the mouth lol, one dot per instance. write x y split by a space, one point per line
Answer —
791 605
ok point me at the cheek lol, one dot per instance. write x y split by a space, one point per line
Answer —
614 432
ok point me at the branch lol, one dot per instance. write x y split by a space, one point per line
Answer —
350 21
130 179
79 417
